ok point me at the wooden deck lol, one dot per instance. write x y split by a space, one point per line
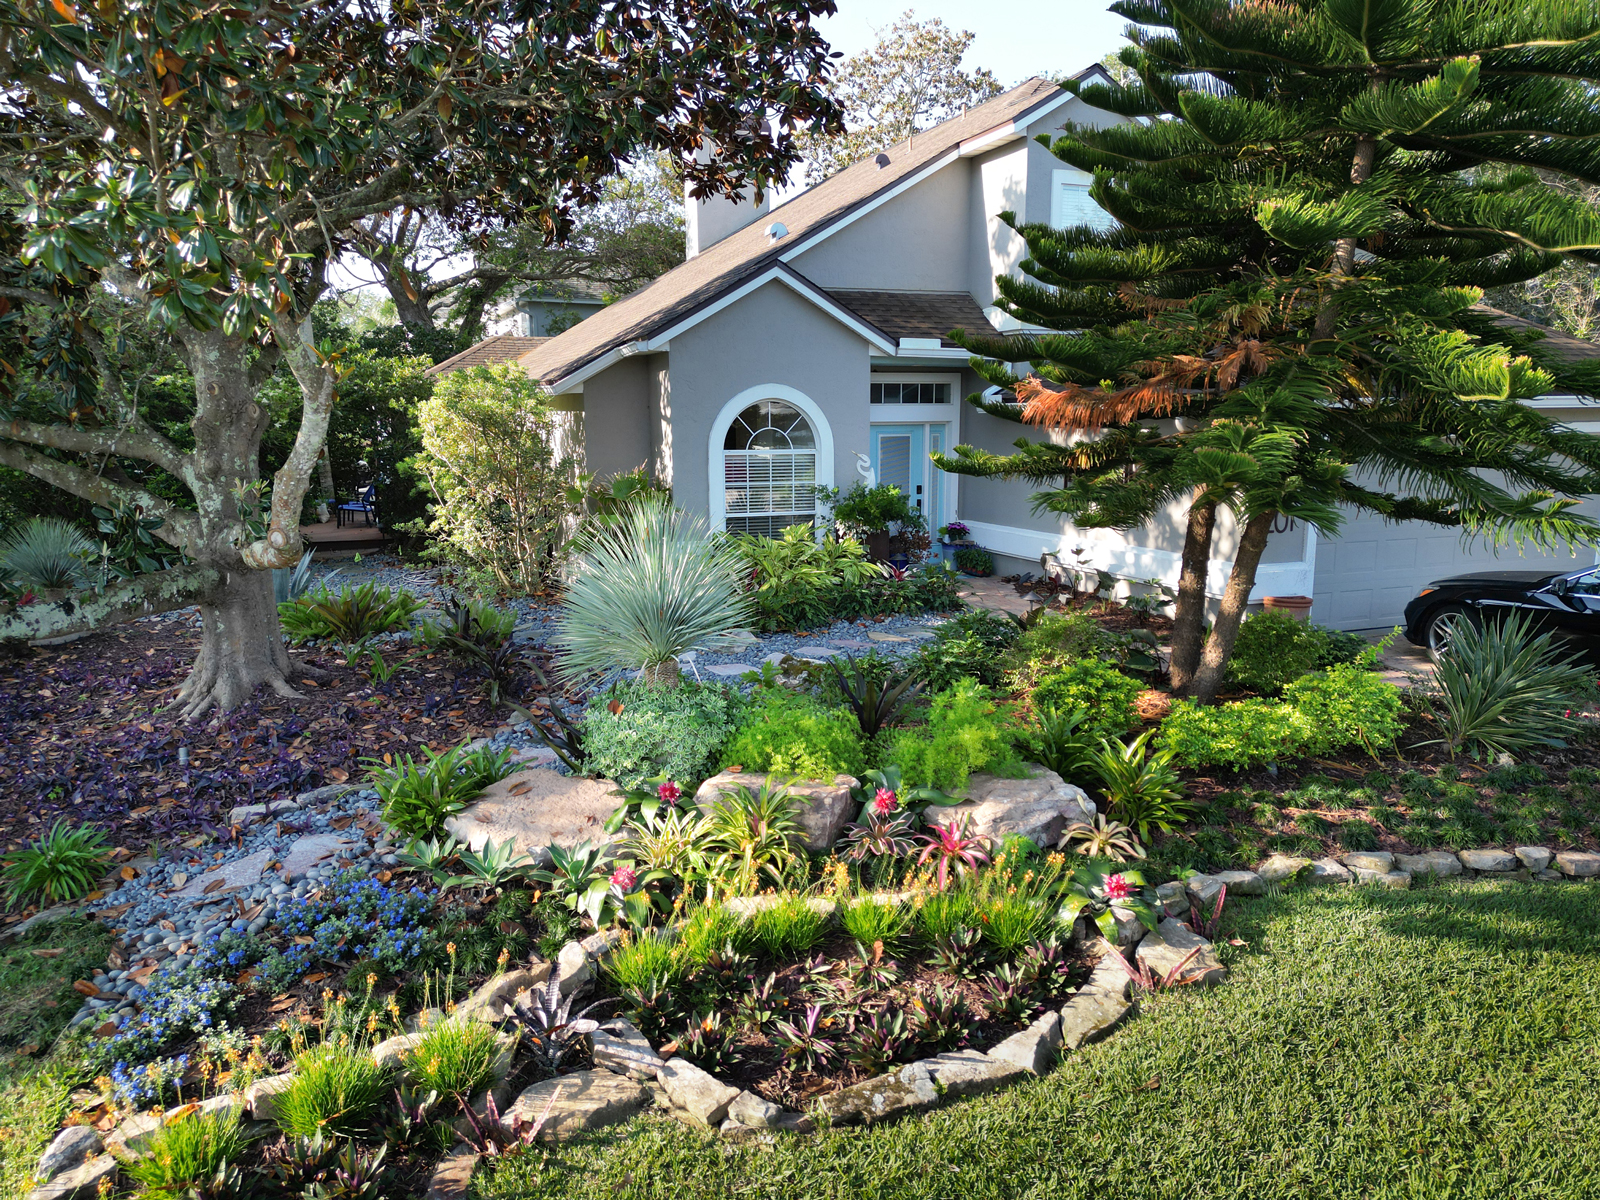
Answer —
329 540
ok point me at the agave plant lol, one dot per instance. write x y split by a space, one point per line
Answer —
1104 838
647 590
47 553
492 866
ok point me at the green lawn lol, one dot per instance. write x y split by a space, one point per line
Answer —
1443 1042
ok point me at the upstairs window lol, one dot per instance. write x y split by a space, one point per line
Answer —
910 393
1070 204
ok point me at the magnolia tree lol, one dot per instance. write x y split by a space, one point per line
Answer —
203 165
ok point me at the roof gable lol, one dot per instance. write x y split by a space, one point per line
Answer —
808 217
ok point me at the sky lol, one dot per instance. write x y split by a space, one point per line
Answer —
1015 38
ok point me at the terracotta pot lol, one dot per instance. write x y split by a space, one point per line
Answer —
1296 606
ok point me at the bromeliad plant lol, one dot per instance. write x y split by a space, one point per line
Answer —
877 698
750 835
1095 886
548 1025
1104 838
418 794
643 803
1140 786
954 849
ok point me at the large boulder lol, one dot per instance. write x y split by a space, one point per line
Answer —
535 810
882 1097
1038 808
581 1101
822 808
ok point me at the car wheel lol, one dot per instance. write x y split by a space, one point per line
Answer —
1441 627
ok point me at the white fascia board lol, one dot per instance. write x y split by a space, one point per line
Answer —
1563 402
900 358
817 235
1013 129
794 282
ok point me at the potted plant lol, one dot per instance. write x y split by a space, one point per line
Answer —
955 534
877 516
970 560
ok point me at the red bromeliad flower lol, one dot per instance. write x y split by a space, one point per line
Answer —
624 879
1118 888
670 792
885 802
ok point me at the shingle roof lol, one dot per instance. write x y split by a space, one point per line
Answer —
1563 345
503 347
701 280
915 314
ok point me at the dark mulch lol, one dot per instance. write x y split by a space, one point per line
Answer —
87 731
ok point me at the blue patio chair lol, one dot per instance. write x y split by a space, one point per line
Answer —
365 503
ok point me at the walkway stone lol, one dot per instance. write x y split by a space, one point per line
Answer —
729 670
234 876
824 808
305 853
816 651
887 637
583 1100
535 810
1038 808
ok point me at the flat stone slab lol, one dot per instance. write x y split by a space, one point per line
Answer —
1283 867
1329 870
535 810
1204 889
583 1100
453 1174
72 1147
816 651
729 670
702 1096
1034 1048
1434 862
1038 808
1170 943
1097 1007
882 1097
494 996
81 1182
849 643
1580 864
1489 860
1369 860
888 637
971 1072
234 876
305 853
1535 858
824 808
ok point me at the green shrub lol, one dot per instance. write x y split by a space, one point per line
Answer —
198 1151
1340 647
1066 636
864 509
709 929
966 732
787 733
419 794
63 864
1095 686
943 661
337 1090
353 616
455 1058
995 631
1273 649
1237 735
796 581
1346 705
673 731
974 561
945 914
788 928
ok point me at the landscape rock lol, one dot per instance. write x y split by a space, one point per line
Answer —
1369 860
451 1177
1204 889
882 1097
47 917
1173 897
1281 868
1034 1048
306 852
1580 864
80 1183
749 906
823 809
71 1147
575 968
248 814
490 1001
1329 870
317 797
535 810
751 1110
236 875
261 1097
1130 930
1170 943
466 1127
619 1047
971 1072
1434 862
1388 879
1038 808
700 1095
393 1052
583 1100
1535 858
1489 860
1097 1007
598 946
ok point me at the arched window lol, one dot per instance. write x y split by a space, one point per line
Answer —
769 469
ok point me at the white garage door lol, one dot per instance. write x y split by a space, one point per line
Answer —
1366 576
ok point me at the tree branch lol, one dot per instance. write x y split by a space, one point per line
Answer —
140 441
126 600
179 528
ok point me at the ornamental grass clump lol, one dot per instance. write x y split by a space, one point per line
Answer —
647 590
789 928
455 1058
62 865
192 1156
337 1090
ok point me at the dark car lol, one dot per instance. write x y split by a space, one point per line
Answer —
1567 603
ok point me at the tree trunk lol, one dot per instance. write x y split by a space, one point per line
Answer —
1189 613
241 646
1208 679
1344 249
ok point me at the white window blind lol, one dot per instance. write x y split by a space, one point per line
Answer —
1070 204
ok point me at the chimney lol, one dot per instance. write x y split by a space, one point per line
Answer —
707 221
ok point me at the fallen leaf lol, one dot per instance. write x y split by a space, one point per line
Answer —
338 774
106 1123
30 1049
146 727
669 1049
615 708
97 894
317 977
1153 1085
181 878
302 940
106 1030
48 953
520 788
213 886
174 1115
287 1002
84 987
129 873
384 876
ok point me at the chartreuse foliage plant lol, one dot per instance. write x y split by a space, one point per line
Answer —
195 1155
337 1089
454 1058
419 794
62 864
1095 687
1275 648
784 732
967 731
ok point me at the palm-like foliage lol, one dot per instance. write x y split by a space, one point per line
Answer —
752 834
649 588
1141 788
48 553
1503 688
62 865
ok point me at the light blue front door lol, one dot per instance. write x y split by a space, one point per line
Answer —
900 457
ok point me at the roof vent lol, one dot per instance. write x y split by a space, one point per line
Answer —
882 160
777 231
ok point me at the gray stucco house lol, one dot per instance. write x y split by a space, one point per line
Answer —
806 344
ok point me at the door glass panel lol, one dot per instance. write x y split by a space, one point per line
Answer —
894 460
